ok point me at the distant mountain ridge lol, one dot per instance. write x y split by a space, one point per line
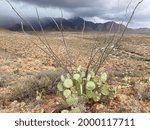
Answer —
73 24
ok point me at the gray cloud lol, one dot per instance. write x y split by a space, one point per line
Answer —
62 3
104 10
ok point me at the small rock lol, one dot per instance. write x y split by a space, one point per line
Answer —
122 97
23 104
38 109
98 108
14 104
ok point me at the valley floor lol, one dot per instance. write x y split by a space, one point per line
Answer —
21 63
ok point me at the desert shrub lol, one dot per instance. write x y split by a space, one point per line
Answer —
24 89
43 82
47 80
75 90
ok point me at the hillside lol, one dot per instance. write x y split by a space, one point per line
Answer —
73 24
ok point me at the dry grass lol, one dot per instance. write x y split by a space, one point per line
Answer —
27 88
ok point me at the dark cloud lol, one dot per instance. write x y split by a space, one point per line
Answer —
62 3
101 9
106 9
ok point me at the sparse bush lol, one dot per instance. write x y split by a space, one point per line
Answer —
75 90
42 82
47 80
24 89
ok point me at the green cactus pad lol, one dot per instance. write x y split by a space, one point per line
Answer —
103 77
60 87
90 85
67 93
89 93
83 99
99 83
68 83
62 78
89 77
76 76
72 101
112 92
105 90
96 97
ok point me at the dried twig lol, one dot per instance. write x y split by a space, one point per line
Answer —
83 29
69 58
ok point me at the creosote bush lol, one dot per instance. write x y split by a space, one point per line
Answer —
75 90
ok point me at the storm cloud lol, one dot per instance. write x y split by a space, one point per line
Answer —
62 3
94 10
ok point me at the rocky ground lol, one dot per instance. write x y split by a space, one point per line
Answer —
23 66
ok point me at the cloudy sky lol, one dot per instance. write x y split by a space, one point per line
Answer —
93 10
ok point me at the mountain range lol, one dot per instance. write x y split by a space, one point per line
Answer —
73 24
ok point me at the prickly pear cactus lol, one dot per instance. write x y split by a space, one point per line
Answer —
75 89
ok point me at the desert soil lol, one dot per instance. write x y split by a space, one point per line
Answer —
21 60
